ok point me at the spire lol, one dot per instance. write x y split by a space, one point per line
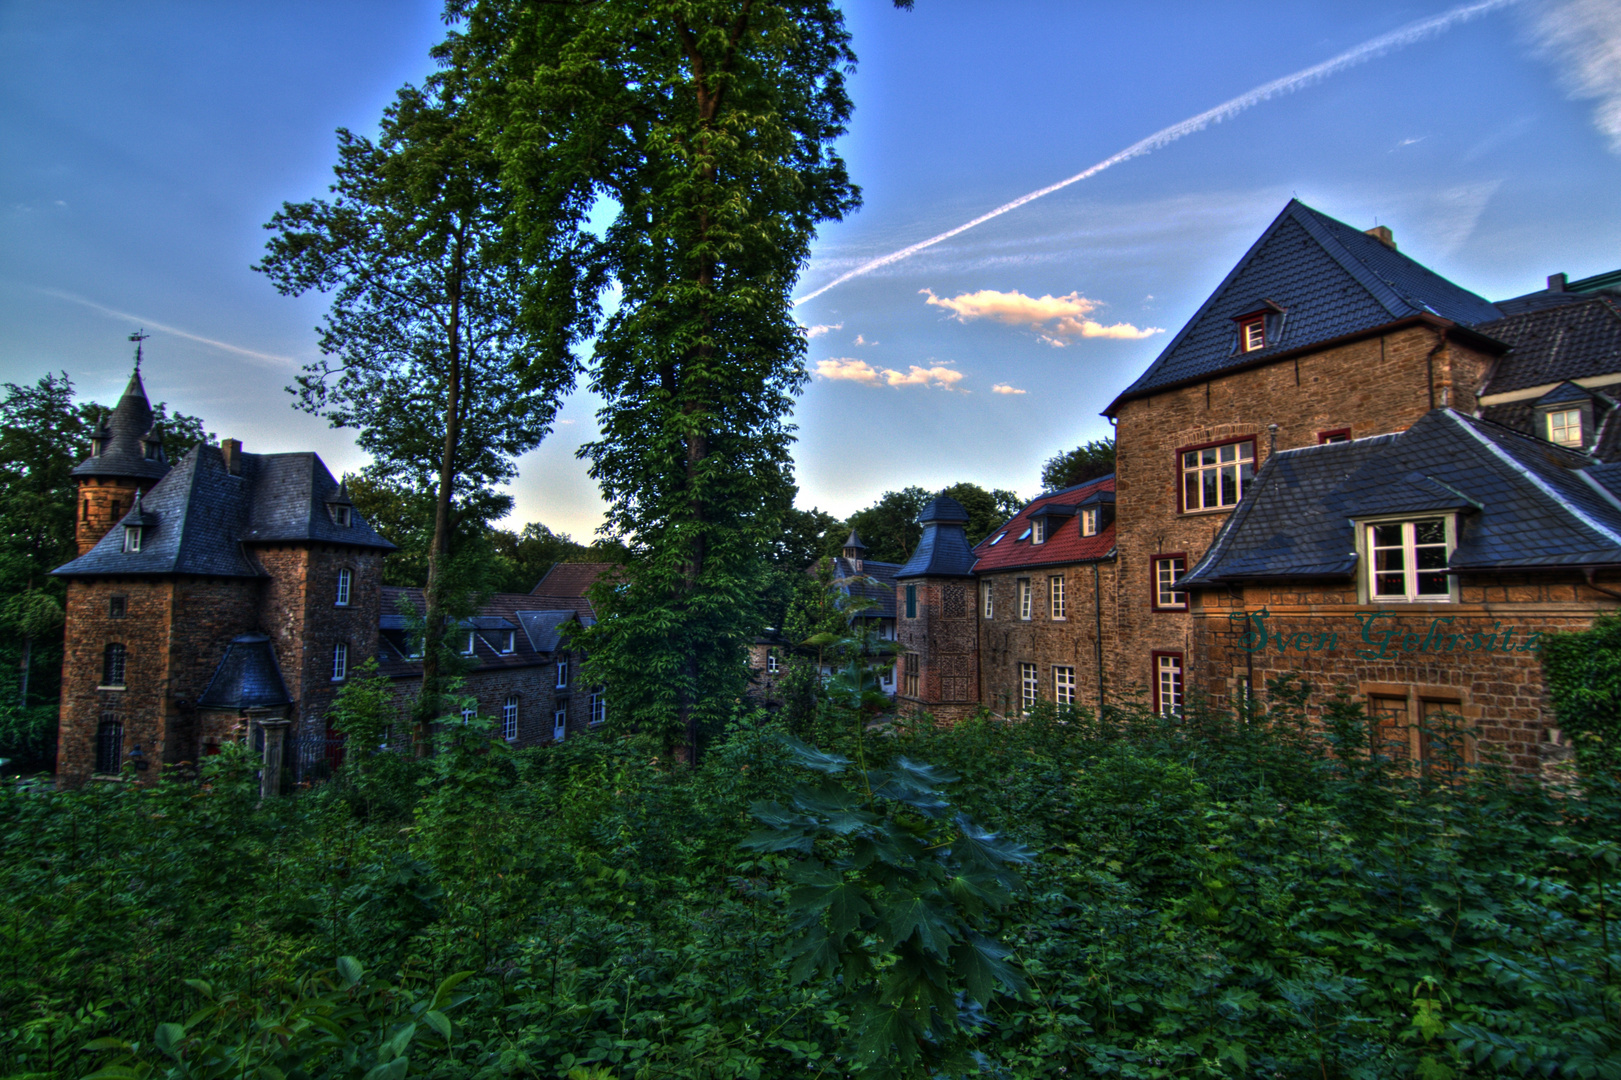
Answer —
119 448
855 550
138 337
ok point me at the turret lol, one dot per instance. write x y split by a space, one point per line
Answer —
126 458
854 551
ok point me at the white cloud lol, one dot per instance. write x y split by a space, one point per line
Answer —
860 340
1583 37
850 370
819 330
1060 317
1004 388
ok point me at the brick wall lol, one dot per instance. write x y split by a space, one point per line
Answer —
1370 387
103 502
536 689
1007 641
944 635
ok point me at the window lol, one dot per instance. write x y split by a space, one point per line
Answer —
1029 686
344 578
599 705
1089 521
1395 730
1215 476
560 722
112 667
1055 596
910 675
1064 685
993 543
509 718
1408 559
1252 334
509 642
116 606
468 712
771 662
132 538
1565 427
1440 730
152 449
1167 568
343 515
562 673
1168 683
1024 598
911 601
472 643
109 744
986 594
1337 435
1038 531
340 661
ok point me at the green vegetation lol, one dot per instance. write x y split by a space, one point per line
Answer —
1214 896
1086 462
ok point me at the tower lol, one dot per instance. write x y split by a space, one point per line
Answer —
126 457
935 625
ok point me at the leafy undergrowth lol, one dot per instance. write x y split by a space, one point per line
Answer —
1211 896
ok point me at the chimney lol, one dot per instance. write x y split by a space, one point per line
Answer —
231 451
1556 282
1383 234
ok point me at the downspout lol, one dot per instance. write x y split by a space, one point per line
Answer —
1429 362
1097 643
1591 584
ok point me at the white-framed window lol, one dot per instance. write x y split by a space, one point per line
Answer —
1038 531
1215 476
341 515
1064 685
771 665
1252 334
1089 521
1565 427
987 594
1055 596
1026 600
509 642
1407 560
1029 686
345 578
1168 684
340 661
132 538
1167 568
599 705
468 712
562 673
472 643
509 718
560 722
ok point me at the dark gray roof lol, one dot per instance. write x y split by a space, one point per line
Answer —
943 508
1328 278
248 677
1565 391
545 628
200 516
854 541
1571 341
882 594
1522 502
1566 293
944 549
123 453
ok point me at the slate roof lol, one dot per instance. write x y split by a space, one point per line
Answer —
540 623
248 677
943 508
943 551
122 453
571 578
1521 502
1330 280
1064 543
1571 293
882 594
200 517
1574 340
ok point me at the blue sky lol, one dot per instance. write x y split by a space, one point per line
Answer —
143 146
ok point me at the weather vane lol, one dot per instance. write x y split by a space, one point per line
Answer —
138 337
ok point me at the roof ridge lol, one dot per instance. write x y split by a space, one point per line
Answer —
1347 442
1361 271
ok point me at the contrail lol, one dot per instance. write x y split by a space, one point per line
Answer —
1368 50
268 359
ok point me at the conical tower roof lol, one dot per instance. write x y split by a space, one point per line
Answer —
854 542
122 454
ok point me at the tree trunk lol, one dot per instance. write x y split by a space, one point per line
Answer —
429 705
28 651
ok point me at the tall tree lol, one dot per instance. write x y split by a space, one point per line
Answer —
424 351
1086 462
709 125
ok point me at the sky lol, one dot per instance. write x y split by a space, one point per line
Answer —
144 145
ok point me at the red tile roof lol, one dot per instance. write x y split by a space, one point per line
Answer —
571 578
1064 545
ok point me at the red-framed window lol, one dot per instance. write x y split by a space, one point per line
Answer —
1213 476
1168 679
1165 569
1337 435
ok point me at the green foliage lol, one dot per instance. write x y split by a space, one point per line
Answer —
1086 462
986 509
889 526
1583 672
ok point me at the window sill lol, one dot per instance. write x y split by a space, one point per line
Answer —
1162 609
119 687
1208 510
1059 618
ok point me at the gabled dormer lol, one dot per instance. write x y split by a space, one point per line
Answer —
1569 415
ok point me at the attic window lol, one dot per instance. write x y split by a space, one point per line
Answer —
1252 334
998 539
341 515
152 451
1038 531
1025 535
1565 427
472 640
510 642
1089 521
132 538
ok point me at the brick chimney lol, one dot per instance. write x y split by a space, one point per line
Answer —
1556 282
231 451
1383 234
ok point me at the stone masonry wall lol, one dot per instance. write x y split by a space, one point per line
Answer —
1006 640
944 635
103 502
1370 387
538 698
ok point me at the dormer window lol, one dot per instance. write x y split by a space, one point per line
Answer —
1089 521
1252 334
343 515
472 639
1407 560
132 538
509 643
1565 428
1038 531
95 447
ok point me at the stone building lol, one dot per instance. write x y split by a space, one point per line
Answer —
230 595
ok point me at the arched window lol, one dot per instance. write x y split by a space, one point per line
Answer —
112 665
109 744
